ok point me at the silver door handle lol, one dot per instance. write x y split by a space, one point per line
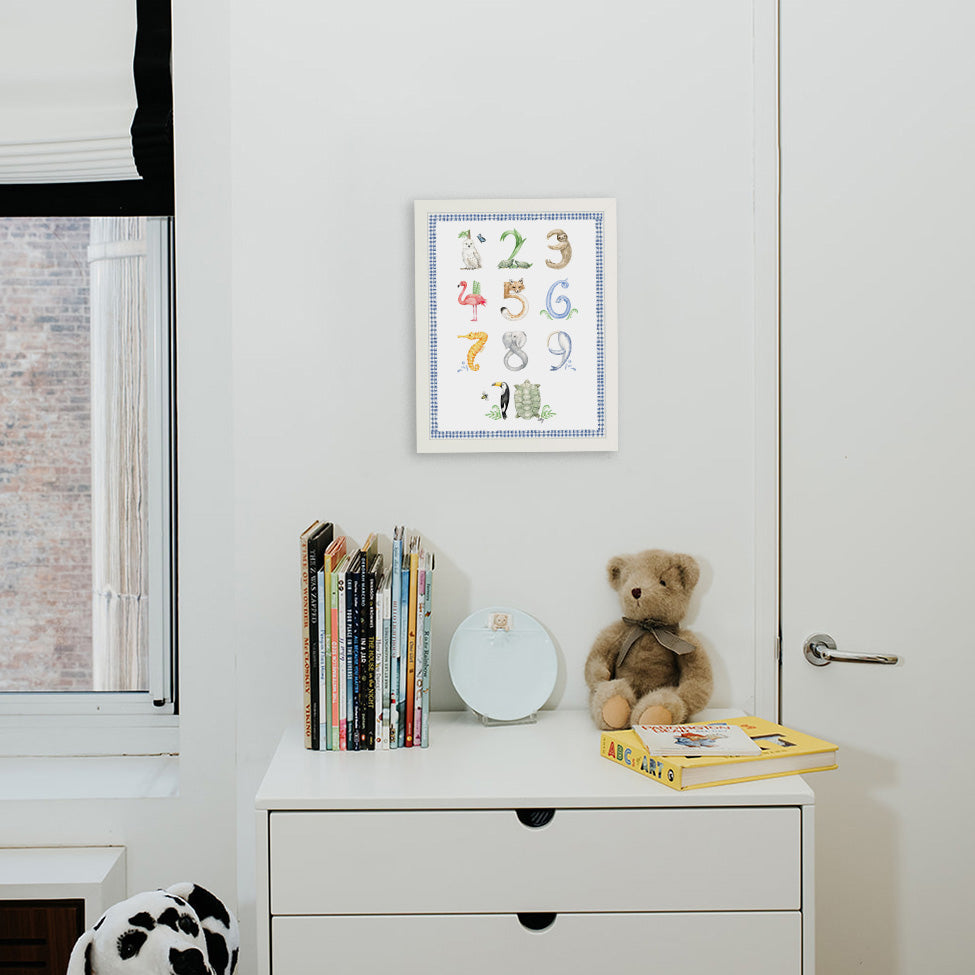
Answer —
820 650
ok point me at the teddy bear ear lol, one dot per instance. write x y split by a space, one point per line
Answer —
614 569
690 572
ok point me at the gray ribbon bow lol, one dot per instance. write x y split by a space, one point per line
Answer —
665 636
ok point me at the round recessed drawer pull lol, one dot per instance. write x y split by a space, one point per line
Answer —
537 920
533 818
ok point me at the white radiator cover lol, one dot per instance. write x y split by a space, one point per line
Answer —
94 874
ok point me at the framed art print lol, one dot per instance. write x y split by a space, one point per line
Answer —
516 325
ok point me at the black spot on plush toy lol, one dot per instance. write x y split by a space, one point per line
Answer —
183 930
645 669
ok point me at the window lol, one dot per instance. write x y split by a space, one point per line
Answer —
87 430
87 519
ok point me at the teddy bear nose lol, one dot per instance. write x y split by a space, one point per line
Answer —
636 593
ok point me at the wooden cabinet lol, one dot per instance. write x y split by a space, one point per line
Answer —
36 937
421 856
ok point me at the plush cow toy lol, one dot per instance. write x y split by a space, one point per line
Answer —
183 930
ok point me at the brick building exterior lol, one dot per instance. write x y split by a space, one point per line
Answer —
45 455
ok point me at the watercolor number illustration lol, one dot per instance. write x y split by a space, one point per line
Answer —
510 261
516 325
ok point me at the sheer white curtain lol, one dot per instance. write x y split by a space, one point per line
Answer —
67 94
119 453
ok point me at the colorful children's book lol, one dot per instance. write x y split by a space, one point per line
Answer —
414 566
355 635
394 638
372 662
421 610
341 574
350 576
320 677
718 738
383 642
305 631
337 675
425 704
327 661
363 676
314 541
404 614
784 751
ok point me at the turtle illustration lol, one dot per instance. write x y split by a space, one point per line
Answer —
528 400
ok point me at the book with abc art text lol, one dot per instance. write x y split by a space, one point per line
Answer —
783 751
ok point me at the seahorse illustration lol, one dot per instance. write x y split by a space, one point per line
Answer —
480 340
513 289
563 301
509 261
561 244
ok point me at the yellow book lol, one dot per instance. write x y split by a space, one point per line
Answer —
784 752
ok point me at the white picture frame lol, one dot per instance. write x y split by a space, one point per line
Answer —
516 331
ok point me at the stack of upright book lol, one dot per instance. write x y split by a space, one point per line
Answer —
366 646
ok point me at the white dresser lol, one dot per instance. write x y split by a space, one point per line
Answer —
519 849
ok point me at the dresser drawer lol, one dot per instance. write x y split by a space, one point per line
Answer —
482 861
485 944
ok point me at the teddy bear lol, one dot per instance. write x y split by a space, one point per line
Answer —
183 930
644 669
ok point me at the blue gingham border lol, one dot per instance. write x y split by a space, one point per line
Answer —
531 434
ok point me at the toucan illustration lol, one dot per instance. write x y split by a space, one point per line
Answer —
505 396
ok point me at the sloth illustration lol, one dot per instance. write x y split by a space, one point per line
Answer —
561 244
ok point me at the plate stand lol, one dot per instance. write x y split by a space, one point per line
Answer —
497 723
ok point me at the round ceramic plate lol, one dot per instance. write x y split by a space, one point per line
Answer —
503 674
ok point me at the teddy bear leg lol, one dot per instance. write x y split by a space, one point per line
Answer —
611 704
656 714
616 711
663 703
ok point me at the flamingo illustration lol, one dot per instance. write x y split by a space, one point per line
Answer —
474 299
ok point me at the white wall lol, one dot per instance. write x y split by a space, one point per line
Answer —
342 116
295 295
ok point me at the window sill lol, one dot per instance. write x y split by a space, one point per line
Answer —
89 777
88 757
84 736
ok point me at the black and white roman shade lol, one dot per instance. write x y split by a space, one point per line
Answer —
85 107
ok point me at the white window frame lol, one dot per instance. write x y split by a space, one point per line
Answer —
127 722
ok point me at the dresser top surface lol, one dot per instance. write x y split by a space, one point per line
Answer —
555 762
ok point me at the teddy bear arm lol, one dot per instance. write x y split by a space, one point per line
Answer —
601 659
696 678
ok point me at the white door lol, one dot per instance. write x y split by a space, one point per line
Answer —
878 467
